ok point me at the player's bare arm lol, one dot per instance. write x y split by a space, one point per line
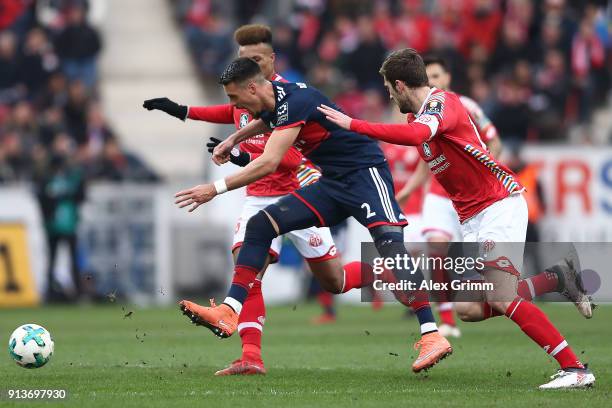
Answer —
419 178
222 151
279 142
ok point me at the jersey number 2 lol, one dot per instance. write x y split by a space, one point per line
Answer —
369 212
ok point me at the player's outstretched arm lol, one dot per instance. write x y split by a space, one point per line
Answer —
166 105
279 142
222 151
419 177
223 114
410 134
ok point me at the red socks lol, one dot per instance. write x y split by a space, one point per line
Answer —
445 310
534 323
326 300
250 323
445 307
544 282
357 275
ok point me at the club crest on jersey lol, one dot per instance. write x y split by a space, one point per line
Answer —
244 120
282 114
426 149
433 107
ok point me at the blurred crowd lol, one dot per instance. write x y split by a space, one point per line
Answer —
51 120
536 67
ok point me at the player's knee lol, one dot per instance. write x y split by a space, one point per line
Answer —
499 306
388 239
259 227
330 275
469 311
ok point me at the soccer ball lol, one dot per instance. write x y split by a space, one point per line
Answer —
31 346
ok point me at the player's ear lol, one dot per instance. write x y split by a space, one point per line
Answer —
252 87
273 57
400 86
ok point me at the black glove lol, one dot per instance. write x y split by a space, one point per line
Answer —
168 106
237 156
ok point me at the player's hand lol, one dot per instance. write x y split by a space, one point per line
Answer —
335 116
237 156
195 196
168 106
221 153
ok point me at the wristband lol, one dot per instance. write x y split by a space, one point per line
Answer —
220 186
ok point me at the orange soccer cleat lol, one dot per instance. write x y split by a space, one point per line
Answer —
243 367
434 347
221 320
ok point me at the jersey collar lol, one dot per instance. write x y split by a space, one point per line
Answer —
431 91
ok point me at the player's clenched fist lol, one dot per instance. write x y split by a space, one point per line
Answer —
221 153
335 116
195 196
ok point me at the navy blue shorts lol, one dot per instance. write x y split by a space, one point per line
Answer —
365 194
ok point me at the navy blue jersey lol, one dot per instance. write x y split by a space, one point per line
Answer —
335 150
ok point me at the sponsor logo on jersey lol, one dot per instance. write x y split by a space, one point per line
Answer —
315 240
427 151
244 120
280 93
282 114
441 158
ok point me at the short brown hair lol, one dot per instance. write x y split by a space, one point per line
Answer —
252 34
436 60
407 66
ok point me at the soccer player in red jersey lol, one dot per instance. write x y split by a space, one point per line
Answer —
485 194
314 244
441 224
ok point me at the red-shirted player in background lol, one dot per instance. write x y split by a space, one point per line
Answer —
314 244
486 195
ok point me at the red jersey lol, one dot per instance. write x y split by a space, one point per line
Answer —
485 129
403 161
284 180
449 142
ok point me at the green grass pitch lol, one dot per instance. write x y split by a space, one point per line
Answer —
156 358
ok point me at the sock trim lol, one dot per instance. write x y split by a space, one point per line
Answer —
559 348
515 307
445 306
234 304
428 327
531 288
250 325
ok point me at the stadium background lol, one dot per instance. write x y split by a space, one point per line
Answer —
74 73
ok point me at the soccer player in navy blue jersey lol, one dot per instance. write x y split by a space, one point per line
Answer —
356 182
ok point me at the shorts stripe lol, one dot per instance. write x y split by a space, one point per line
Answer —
310 207
383 200
385 209
386 192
